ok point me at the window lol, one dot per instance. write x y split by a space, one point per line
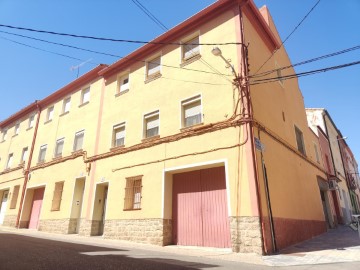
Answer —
151 124
4 135
78 141
24 155
66 105
123 83
59 147
9 162
133 188
316 153
279 74
119 135
190 48
55 206
50 113
42 153
31 121
300 140
153 67
17 129
14 197
85 95
191 111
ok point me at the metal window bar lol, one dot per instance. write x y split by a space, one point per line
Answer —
132 198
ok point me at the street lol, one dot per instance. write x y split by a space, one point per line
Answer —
26 252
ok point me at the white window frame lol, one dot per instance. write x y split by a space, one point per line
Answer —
157 71
118 126
190 40
17 128
4 135
81 132
85 94
58 141
123 87
24 153
64 107
145 122
31 121
9 161
43 149
187 102
50 113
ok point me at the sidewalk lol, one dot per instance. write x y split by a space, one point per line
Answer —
335 246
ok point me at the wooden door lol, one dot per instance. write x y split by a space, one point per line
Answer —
36 208
200 216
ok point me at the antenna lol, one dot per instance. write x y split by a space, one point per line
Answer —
78 67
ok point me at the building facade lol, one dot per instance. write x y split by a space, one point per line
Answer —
172 145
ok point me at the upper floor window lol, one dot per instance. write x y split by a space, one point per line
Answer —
279 74
4 134
316 153
50 113
42 153
151 124
119 135
190 48
191 111
300 140
85 95
31 121
78 141
59 147
123 84
66 105
24 154
17 129
153 67
10 161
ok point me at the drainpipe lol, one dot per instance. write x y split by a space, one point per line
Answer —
251 127
27 170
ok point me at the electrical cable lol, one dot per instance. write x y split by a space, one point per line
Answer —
306 61
149 14
301 74
114 39
292 32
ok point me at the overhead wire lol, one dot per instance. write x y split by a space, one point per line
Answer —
149 14
292 32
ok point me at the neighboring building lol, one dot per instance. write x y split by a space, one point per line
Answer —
166 146
320 117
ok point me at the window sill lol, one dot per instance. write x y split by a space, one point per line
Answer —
40 162
57 157
153 138
83 104
76 151
184 129
3 141
152 77
47 121
65 113
112 149
54 210
15 135
118 94
29 128
189 60
135 209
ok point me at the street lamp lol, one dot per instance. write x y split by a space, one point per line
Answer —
217 52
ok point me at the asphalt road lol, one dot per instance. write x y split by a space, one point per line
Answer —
18 252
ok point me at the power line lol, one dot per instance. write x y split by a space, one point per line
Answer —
36 48
107 54
306 61
149 14
113 39
301 74
288 36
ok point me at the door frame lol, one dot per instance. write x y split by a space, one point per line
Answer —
82 199
7 200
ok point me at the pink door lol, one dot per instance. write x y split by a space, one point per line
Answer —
200 216
36 208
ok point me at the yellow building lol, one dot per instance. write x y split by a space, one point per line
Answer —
174 144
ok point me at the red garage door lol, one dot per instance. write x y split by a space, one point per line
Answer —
200 216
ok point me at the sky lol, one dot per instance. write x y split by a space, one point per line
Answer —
28 74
